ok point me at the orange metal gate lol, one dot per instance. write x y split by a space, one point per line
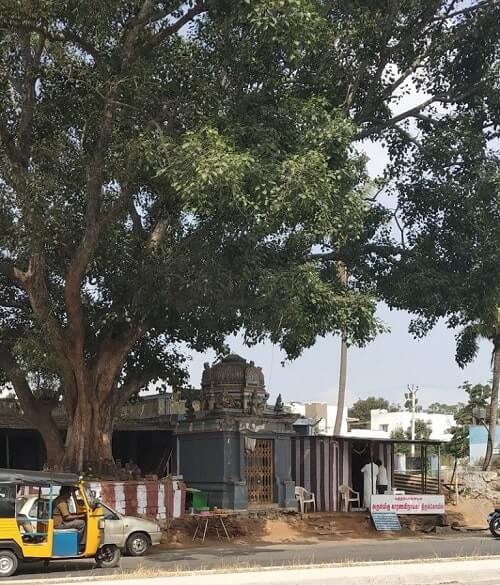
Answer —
260 472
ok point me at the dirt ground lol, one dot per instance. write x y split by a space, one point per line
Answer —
276 528
291 528
471 513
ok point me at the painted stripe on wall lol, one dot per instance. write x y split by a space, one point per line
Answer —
302 449
314 467
119 498
307 464
346 463
322 464
322 478
162 509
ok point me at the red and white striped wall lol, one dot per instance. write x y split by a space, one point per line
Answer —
153 499
321 464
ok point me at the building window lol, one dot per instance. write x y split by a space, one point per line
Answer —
384 428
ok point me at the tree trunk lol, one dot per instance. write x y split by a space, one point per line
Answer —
342 272
89 437
54 446
36 410
492 429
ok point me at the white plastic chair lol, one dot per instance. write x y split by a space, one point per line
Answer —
304 497
349 496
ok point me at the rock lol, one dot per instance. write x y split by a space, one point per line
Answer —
442 529
443 520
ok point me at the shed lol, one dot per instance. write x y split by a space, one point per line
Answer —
321 464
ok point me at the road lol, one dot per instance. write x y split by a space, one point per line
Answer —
286 555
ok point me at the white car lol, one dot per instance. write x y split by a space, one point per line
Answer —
134 535
131 534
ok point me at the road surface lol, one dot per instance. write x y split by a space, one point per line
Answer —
286 555
443 572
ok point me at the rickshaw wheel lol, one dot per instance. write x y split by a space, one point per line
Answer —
8 563
108 556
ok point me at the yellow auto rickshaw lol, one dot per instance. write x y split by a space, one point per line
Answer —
30 534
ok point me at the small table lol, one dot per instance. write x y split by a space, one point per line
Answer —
215 520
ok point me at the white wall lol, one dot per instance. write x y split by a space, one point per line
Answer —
368 434
322 413
381 420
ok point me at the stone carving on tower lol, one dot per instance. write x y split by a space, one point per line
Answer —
233 384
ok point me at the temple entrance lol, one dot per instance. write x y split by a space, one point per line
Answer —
259 465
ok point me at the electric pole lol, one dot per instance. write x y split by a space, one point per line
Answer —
411 402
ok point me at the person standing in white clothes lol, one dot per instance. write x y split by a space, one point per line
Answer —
370 472
382 483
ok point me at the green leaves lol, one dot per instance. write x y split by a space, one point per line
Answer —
207 171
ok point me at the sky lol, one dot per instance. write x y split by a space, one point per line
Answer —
383 368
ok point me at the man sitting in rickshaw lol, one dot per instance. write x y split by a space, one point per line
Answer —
63 518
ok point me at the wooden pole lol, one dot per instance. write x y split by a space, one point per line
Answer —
422 488
439 468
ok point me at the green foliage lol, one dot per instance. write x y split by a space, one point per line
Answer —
190 173
478 398
443 408
171 173
362 407
423 429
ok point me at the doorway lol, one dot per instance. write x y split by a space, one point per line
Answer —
259 466
360 456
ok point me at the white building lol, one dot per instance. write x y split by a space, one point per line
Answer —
322 414
382 420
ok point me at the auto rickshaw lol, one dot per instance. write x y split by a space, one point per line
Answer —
22 540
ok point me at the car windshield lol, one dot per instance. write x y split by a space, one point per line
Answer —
108 513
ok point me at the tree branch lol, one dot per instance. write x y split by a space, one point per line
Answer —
445 98
337 256
13 153
63 36
8 269
188 16
407 136
112 353
378 125
18 379
131 385
136 220
466 10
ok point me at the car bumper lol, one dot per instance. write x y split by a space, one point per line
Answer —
155 538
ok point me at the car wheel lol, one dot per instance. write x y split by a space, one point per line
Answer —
108 556
138 544
495 525
8 563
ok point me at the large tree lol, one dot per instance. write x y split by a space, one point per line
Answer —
444 177
449 266
175 171
163 179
